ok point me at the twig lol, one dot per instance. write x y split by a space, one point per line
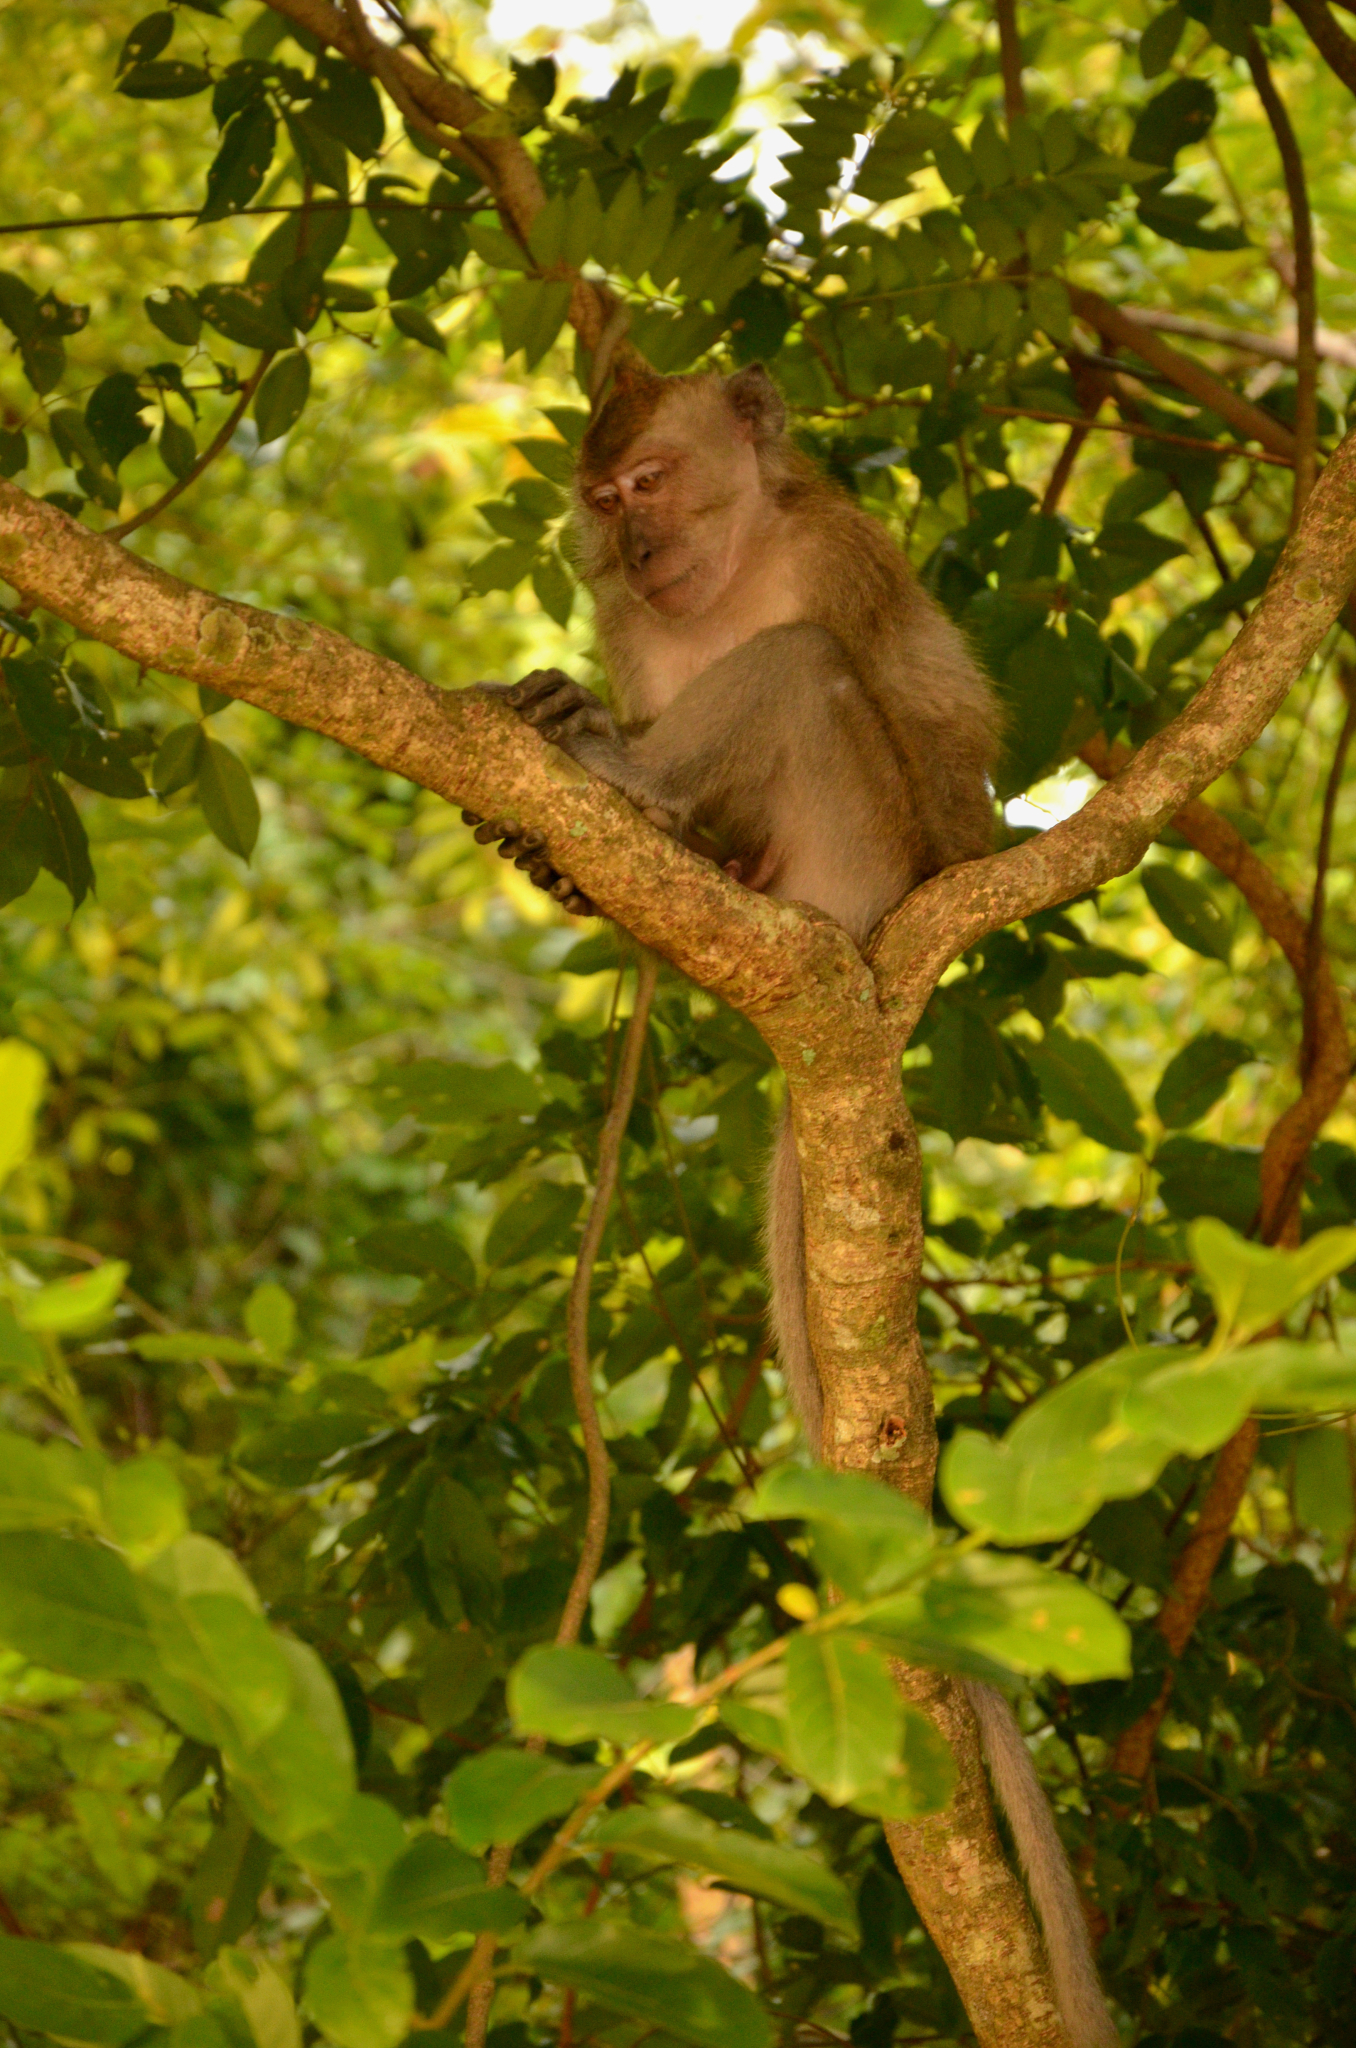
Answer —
378 60
114 220
209 454
1332 346
577 1311
1305 288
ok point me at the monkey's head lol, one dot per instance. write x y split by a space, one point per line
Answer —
670 485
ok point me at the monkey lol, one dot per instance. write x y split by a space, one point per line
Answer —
791 700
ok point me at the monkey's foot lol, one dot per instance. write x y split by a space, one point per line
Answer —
524 847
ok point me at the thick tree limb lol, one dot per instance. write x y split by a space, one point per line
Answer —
1309 585
1126 330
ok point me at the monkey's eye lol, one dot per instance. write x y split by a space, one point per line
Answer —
649 479
605 501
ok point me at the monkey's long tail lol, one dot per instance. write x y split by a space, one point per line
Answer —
1018 1790
1045 1867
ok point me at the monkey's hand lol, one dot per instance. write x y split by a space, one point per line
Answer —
526 849
571 717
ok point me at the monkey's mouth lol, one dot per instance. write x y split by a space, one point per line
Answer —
662 595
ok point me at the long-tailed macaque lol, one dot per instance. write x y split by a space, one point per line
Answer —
790 698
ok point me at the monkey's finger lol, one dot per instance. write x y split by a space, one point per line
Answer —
471 818
541 681
579 906
563 889
538 873
497 828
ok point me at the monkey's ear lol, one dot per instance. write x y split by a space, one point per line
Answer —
754 398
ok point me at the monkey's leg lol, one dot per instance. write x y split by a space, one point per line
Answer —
524 849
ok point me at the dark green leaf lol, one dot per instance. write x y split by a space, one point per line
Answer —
282 394
178 449
164 78
1196 1077
348 106
538 1220
113 416
1079 1082
226 794
251 314
146 40
67 850
296 1453
175 312
554 588
664 1983
178 759
666 1832
49 1992
241 163
1158 44
1176 117
418 327
13 451
1188 910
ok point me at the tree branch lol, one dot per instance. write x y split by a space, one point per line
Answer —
1330 39
444 103
1125 330
1309 585
1279 348
1010 57
758 954
1305 287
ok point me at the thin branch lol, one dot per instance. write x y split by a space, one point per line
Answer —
1279 348
1330 39
577 1312
1135 433
1114 324
115 220
1305 287
208 456
1010 57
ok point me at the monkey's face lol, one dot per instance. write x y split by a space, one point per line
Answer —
677 508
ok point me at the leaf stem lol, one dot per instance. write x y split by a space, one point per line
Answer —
209 455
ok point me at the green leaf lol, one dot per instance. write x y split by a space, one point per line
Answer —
241 163
222 1895
80 1303
251 1981
457 1671
1188 910
113 416
358 1993
296 1453
1079 1082
418 327
178 759
50 1992
146 39
348 106
1174 118
649 1977
226 794
281 398
13 451
192 1345
145 1506
844 1714
554 587
1158 44
461 1555
867 1538
572 1695
1196 1077
1252 1285
539 1220
553 459
223 1675
72 1606
434 1891
271 1318
66 851
1061 1459
427 1248
251 314
175 312
23 1077
165 78
531 315
178 448
503 1794
1006 1611
666 1832
48 1486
